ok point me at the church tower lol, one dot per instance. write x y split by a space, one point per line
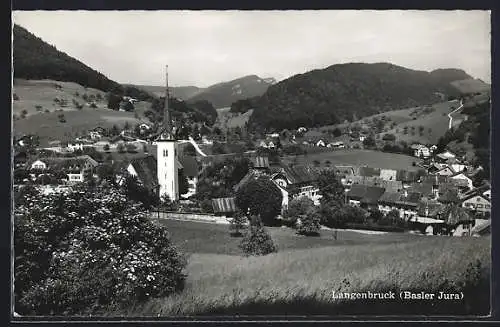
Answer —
167 160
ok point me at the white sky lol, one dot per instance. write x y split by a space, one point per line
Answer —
207 47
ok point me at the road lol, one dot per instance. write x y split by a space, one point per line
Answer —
450 117
193 142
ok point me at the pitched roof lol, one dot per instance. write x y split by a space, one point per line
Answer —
299 174
146 170
368 171
425 189
407 176
189 166
224 205
366 194
429 208
411 199
450 196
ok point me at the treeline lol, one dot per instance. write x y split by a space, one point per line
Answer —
342 92
242 106
199 112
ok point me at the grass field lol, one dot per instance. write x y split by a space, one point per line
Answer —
301 277
375 159
42 93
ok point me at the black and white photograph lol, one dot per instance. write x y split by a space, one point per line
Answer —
231 163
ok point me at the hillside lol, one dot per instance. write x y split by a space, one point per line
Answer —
470 86
224 94
181 92
34 59
350 91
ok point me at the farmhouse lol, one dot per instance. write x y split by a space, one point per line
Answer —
445 171
442 157
74 167
364 196
420 151
463 177
406 203
478 203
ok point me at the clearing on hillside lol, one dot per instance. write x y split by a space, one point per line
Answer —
227 119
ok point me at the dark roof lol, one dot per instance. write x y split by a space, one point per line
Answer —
429 209
249 176
224 205
411 199
435 179
368 171
449 196
146 170
189 166
300 174
365 194
67 163
425 189
407 176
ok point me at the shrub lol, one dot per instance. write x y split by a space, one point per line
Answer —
106 147
309 224
257 241
90 250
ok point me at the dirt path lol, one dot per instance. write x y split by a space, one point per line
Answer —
450 117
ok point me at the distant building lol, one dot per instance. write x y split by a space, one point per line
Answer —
477 202
421 151
364 196
74 167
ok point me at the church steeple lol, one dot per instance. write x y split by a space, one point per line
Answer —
167 133
167 161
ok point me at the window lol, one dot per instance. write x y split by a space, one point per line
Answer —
165 152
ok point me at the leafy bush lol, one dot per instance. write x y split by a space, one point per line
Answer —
309 224
298 207
120 148
88 251
257 241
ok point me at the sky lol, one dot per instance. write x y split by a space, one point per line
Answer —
202 48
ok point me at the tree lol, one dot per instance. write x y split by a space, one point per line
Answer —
218 148
237 224
309 224
189 150
376 215
128 106
260 197
106 147
70 260
114 130
106 172
330 187
298 207
120 148
126 126
336 132
369 142
114 101
389 137
257 240
131 148
136 192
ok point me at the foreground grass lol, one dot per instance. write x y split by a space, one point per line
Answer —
300 282
197 237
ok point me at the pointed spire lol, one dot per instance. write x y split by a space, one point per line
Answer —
167 122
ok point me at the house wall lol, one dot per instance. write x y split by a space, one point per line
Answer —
39 165
75 178
167 164
477 203
463 177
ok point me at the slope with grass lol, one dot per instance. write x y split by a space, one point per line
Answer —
48 126
301 282
181 92
375 159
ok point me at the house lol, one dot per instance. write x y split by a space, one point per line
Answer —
433 148
457 219
368 172
94 135
388 174
428 213
320 143
224 206
145 170
420 151
364 196
336 145
302 130
477 203
456 165
404 202
72 147
74 167
445 156
445 171
462 176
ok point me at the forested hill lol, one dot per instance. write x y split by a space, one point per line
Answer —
35 59
349 91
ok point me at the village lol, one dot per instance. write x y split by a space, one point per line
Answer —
421 196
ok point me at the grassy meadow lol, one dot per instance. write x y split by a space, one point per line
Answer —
375 159
300 278
227 119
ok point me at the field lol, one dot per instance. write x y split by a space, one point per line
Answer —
375 159
301 277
